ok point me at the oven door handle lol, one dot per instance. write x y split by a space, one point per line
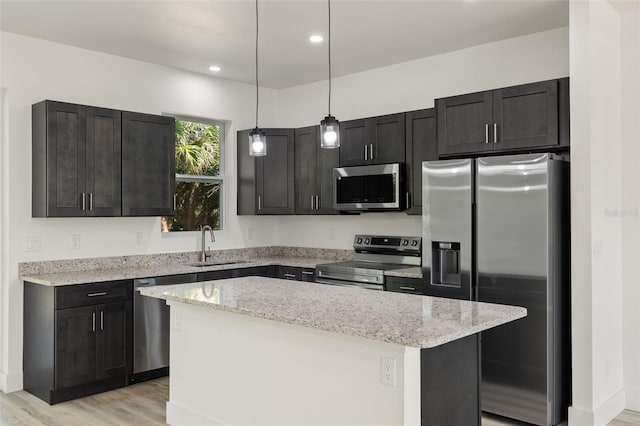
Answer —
349 284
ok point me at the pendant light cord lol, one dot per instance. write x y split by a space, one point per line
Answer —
329 34
257 91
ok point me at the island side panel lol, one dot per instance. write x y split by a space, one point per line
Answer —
450 383
233 369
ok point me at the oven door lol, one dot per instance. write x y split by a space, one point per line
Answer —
345 283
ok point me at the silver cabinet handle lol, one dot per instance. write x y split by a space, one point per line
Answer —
101 293
91 201
407 288
365 153
287 275
84 204
486 133
371 150
317 202
308 273
101 320
259 204
175 203
312 202
407 199
495 132
93 320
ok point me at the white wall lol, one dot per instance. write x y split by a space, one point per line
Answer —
631 202
597 149
405 87
33 70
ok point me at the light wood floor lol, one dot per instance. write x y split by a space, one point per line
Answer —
142 404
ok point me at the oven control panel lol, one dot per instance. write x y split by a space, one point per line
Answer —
371 243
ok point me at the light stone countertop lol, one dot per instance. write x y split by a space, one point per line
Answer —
403 319
124 273
415 272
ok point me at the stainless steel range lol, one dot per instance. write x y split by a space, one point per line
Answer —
375 254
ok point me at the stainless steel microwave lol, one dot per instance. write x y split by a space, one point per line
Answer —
369 188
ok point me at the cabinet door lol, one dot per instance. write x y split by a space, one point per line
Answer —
421 145
103 162
275 174
75 360
387 137
464 123
246 179
526 116
148 165
114 340
326 161
354 140
306 144
65 163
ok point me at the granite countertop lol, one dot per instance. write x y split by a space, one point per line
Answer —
415 272
403 319
124 273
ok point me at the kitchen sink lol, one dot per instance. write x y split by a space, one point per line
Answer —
217 263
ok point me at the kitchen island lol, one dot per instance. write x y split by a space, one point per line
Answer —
258 350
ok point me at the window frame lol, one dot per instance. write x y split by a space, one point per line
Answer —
219 178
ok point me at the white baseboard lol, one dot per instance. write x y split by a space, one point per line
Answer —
179 415
633 398
10 382
602 415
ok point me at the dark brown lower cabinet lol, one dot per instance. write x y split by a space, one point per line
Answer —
77 339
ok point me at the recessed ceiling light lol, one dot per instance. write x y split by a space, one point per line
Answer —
214 68
316 38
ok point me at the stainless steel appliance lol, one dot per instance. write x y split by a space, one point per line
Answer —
375 254
496 229
151 329
369 188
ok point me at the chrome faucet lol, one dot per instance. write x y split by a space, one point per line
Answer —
203 254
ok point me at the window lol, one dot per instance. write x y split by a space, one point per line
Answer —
199 170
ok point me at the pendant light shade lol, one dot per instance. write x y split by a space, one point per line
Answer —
257 137
329 127
330 131
257 143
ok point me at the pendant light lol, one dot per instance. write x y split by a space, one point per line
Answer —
257 137
329 127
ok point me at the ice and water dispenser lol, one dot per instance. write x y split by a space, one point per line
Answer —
445 263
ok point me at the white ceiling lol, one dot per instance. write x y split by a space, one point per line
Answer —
193 35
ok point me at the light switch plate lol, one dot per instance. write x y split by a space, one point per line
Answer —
32 243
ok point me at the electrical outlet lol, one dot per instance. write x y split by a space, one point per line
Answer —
388 371
32 244
75 241
139 238
177 321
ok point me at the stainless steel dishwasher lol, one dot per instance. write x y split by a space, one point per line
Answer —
151 329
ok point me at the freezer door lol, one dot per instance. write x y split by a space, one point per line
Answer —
447 218
513 261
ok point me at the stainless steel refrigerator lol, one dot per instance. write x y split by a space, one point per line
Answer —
496 229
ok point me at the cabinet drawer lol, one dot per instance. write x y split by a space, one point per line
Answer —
290 273
405 285
309 275
93 294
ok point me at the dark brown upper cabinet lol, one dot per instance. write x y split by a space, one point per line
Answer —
76 162
527 117
375 140
148 165
266 184
313 173
421 145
